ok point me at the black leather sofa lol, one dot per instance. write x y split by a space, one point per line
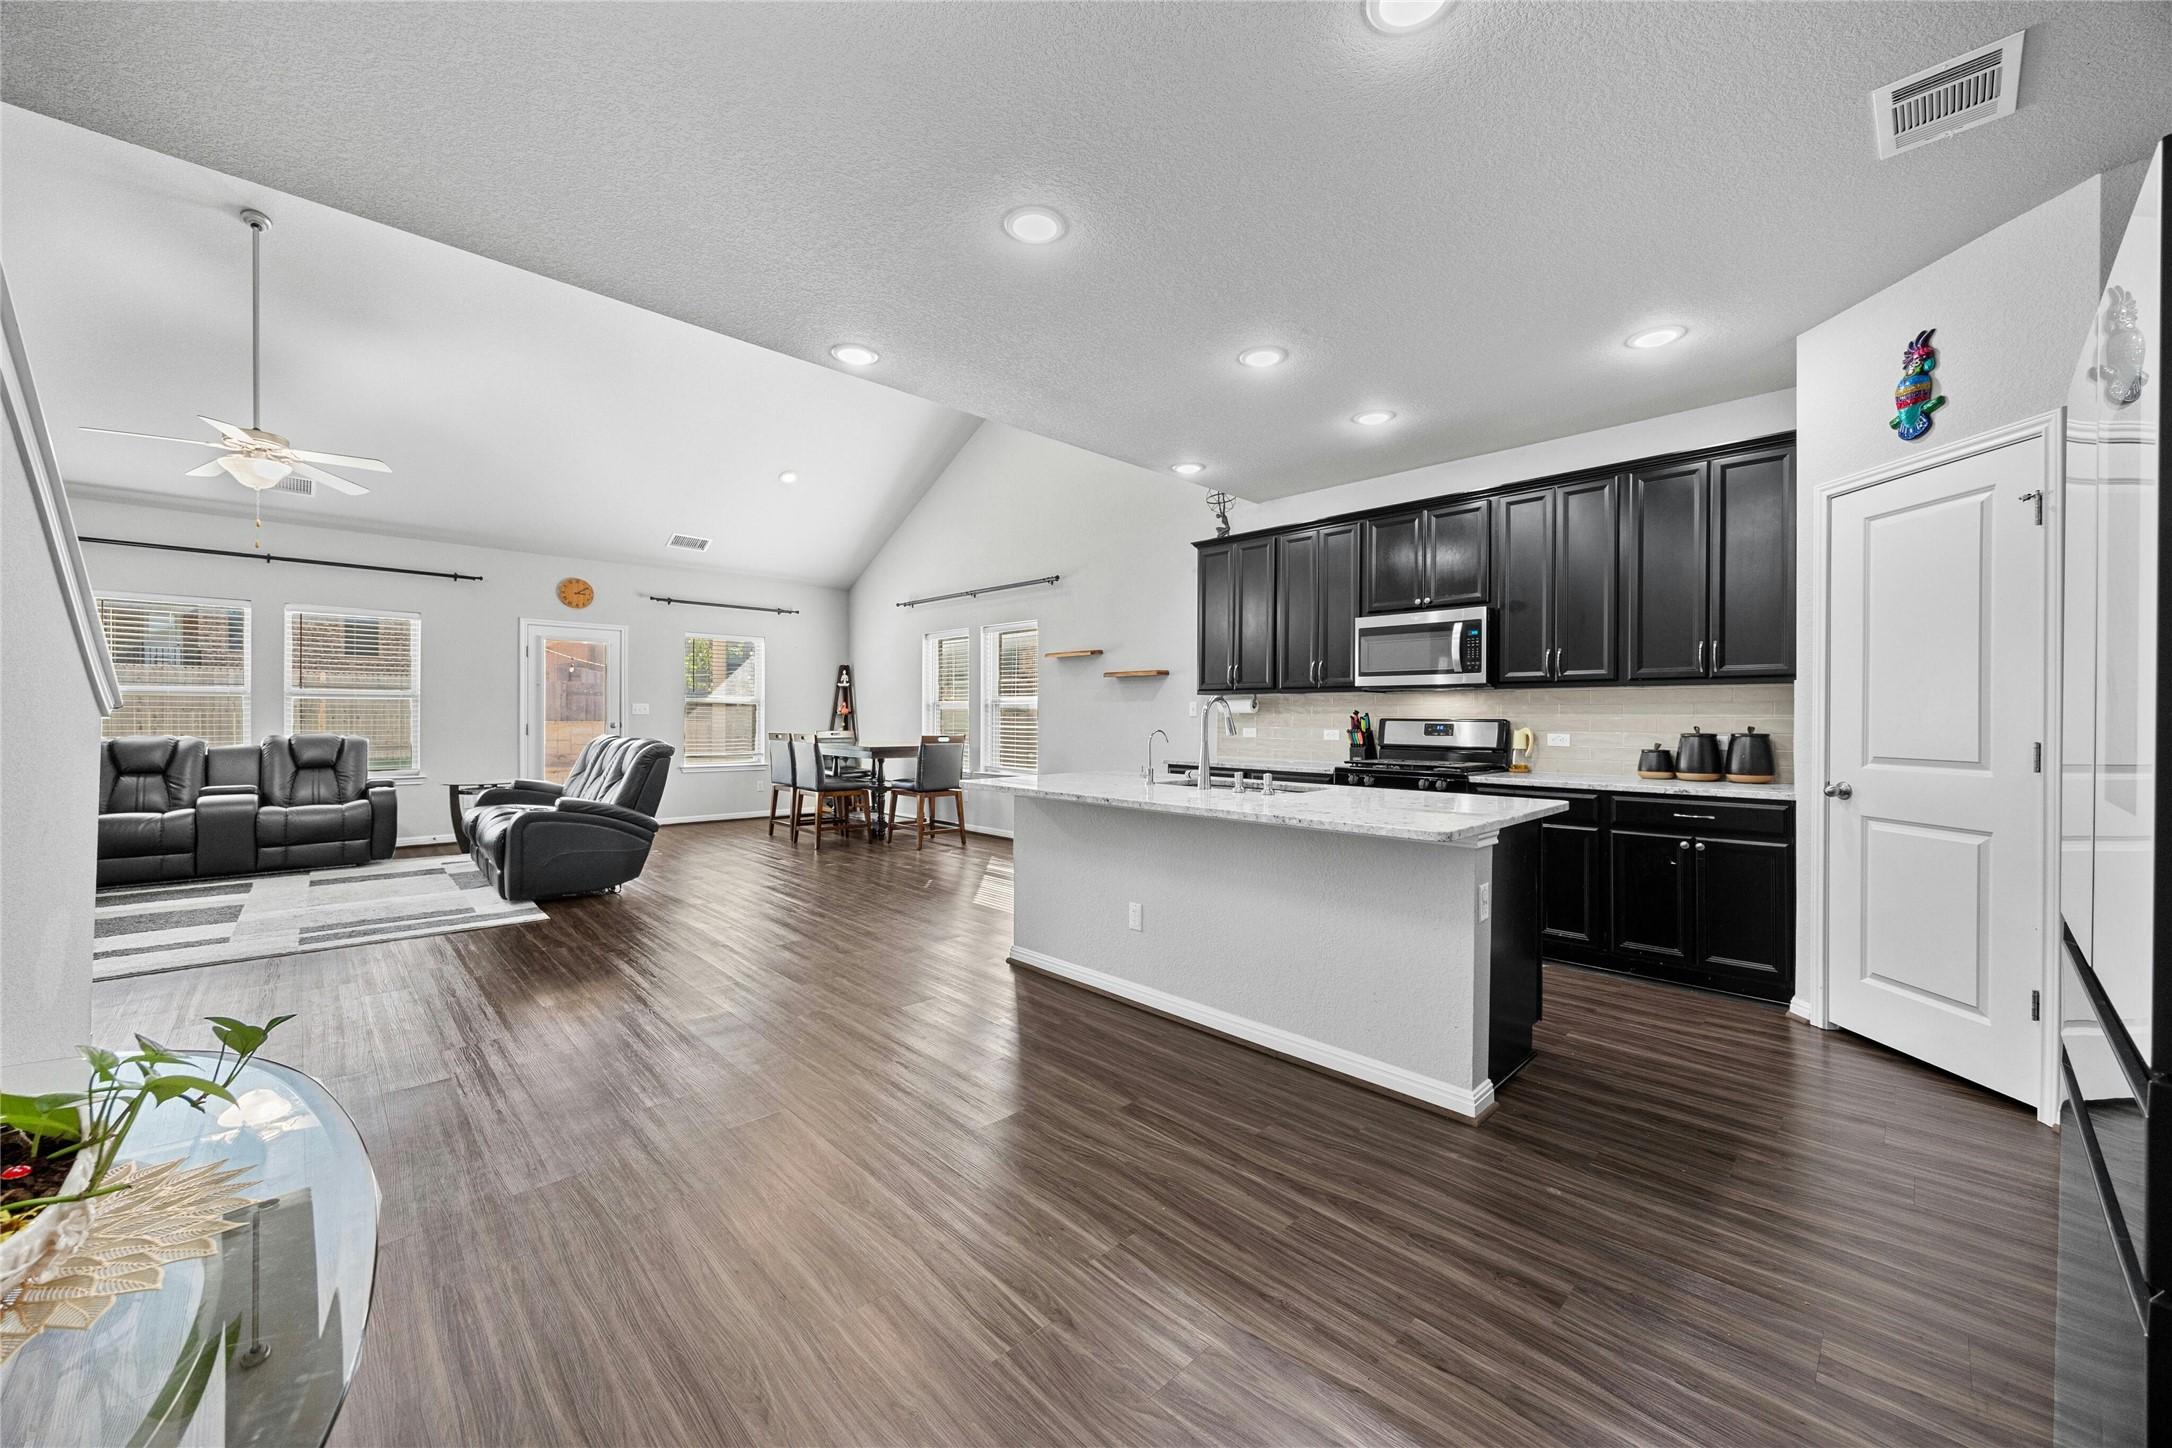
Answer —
171 808
536 841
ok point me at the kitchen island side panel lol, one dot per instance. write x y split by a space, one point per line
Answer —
1364 947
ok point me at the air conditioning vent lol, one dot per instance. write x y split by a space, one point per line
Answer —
1947 99
689 542
296 483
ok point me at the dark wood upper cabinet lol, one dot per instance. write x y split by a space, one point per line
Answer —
1523 581
1587 532
1217 617
1254 568
1339 573
1395 562
1316 599
1752 592
1664 561
1679 569
1459 538
1429 558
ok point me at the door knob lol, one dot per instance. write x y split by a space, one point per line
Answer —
1842 790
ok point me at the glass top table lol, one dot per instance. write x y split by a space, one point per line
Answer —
255 1344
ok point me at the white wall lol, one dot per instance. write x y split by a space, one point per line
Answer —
49 725
2010 311
471 637
1014 505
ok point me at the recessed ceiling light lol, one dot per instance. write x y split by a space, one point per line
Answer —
788 477
1657 337
852 354
1035 225
1263 356
1188 469
1373 419
1400 17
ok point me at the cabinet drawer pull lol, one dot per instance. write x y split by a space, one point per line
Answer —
1681 816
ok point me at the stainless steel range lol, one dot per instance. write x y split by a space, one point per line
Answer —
1434 754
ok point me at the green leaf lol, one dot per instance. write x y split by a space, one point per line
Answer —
240 1039
155 1054
165 1088
103 1062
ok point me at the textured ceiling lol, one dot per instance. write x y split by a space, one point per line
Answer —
514 410
1460 225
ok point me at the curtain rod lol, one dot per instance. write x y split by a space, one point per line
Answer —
705 603
977 592
275 558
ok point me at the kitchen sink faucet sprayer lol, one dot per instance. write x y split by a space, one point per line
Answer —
1206 736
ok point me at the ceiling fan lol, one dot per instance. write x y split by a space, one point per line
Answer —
254 458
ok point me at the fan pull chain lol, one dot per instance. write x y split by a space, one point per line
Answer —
258 541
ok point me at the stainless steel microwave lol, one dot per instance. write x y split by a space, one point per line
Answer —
1441 648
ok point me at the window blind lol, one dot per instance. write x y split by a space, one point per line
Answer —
724 696
183 666
351 671
1015 707
947 689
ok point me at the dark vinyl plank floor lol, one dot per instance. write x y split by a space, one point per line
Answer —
776 1149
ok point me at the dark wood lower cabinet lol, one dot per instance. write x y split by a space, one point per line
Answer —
1701 892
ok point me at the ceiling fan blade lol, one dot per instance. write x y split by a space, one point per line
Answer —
238 434
339 460
153 436
330 480
208 470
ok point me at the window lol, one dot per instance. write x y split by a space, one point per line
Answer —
183 665
723 700
1011 681
351 671
946 699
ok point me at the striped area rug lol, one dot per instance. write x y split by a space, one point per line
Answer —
143 929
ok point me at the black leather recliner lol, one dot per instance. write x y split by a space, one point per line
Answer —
317 805
171 809
536 841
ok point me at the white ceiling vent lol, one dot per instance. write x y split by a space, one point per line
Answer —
1948 99
296 483
689 542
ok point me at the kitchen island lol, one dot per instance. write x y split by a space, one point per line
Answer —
1352 930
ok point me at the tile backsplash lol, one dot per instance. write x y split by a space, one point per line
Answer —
1607 726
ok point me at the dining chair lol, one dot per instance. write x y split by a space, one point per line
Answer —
783 780
901 772
834 797
938 774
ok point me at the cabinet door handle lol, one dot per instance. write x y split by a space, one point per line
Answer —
1715 656
1700 656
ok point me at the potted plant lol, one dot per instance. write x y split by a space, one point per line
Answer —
57 1150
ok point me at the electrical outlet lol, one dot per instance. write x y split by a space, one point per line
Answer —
1251 733
1192 709
1138 916
641 708
1331 734
1485 901
1557 741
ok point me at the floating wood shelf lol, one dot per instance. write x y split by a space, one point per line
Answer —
1134 673
1073 654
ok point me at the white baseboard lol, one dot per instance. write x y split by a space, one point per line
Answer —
704 819
406 840
1802 1007
979 830
1471 1104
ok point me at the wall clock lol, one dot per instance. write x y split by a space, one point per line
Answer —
576 592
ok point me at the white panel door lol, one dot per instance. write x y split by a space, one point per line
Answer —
1935 810
573 685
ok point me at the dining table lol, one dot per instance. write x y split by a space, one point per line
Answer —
874 756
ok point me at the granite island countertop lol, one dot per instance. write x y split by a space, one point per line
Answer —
1440 819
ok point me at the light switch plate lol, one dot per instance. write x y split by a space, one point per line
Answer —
641 708
1485 901
1137 919
1557 741
1251 733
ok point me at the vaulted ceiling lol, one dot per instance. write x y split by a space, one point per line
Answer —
1460 225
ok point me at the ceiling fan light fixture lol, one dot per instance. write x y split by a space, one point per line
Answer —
256 473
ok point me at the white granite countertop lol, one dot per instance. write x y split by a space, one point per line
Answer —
1630 784
1439 819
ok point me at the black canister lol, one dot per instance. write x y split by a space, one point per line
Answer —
1697 756
1749 758
1656 762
